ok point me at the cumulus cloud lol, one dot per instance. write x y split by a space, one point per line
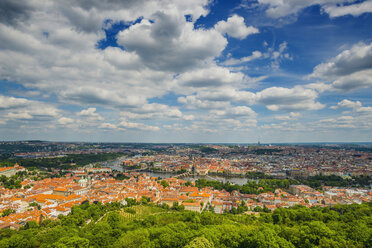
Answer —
226 94
193 102
297 98
51 47
356 106
356 59
350 70
290 117
355 9
65 121
7 102
235 27
19 116
171 43
90 113
347 104
139 126
339 122
335 8
108 126
88 16
238 111
274 98
213 76
155 111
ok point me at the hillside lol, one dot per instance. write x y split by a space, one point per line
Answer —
113 225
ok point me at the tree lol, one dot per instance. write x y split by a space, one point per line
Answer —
258 209
266 210
113 219
35 204
31 224
72 242
7 212
145 200
164 183
188 183
134 239
200 242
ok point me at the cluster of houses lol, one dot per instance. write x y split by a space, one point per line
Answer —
52 197
282 162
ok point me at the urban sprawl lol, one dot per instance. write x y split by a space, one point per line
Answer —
131 177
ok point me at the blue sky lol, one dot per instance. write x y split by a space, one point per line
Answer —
186 71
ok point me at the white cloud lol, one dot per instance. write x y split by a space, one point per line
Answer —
19 115
347 104
282 8
212 76
358 58
239 111
355 9
339 122
90 113
356 80
155 111
290 117
21 109
171 43
7 102
277 56
255 55
319 86
108 126
65 121
235 27
139 126
225 94
350 70
193 102
297 98
356 106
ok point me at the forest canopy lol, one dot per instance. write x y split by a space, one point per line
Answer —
146 225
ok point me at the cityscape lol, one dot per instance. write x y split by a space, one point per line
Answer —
218 178
186 124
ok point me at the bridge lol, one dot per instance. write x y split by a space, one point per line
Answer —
188 173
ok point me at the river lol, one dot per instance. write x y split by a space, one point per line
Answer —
115 165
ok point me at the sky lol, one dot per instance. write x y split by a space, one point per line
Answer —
211 71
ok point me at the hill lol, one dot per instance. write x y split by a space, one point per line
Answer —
113 225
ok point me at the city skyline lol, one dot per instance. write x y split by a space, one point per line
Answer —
186 71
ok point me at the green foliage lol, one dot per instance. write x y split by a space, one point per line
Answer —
7 212
35 204
178 207
116 225
207 149
200 242
120 176
164 183
337 181
72 242
65 161
260 175
188 183
251 187
13 182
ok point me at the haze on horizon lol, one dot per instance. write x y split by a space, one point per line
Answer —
194 71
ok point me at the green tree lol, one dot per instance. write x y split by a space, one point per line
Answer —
200 242
7 212
72 242
164 183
